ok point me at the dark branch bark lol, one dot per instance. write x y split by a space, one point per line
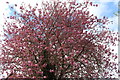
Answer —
48 67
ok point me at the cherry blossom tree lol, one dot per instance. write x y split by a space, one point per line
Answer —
58 40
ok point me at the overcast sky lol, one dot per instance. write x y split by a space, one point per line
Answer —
105 8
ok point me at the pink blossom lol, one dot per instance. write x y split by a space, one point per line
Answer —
57 38
44 76
51 70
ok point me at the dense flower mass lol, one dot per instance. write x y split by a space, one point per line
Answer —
59 40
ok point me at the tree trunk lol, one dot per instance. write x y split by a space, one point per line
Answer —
47 73
48 67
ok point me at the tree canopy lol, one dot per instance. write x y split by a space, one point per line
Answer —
58 40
